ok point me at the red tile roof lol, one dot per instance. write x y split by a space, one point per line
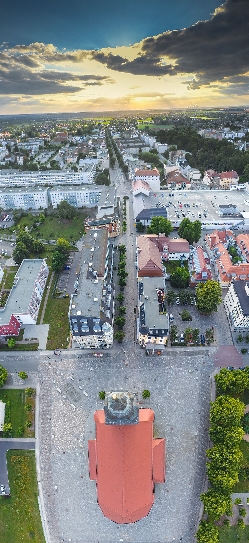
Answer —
126 460
149 173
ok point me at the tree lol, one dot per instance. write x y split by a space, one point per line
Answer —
207 533
171 296
229 437
3 376
66 210
120 298
119 335
208 296
11 343
122 310
20 252
180 278
25 238
232 381
23 375
216 503
190 230
120 321
226 411
58 261
63 246
160 225
38 246
140 227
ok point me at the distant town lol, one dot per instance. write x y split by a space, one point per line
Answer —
124 325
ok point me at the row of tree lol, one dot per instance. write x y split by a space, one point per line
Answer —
224 461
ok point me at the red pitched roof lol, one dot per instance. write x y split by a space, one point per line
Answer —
228 175
124 459
142 173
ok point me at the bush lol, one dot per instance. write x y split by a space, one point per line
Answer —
102 395
23 375
243 351
237 501
241 523
28 423
29 391
145 394
186 315
3 376
242 512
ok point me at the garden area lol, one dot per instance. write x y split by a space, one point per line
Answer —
19 418
56 315
20 516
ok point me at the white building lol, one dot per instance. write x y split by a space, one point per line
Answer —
75 196
152 177
236 304
25 297
23 198
10 178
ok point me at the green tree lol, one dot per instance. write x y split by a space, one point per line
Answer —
119 335
171 296
180 278
63 246
58 261
160 225
11 343
140 227
3 376
66 210
122 310
20 252
25 238
226 411
208 296
120 297
38 246
207 533
228 436
232 381
120 321
23 375
190 230
216 503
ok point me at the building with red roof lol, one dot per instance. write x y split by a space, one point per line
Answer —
124 459
152 177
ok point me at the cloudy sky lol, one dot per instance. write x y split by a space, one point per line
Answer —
61 55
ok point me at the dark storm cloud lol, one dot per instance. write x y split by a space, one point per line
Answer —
211 49
21 80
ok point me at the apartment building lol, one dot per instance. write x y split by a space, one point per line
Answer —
23 198
55 177
236 304
24 301
152 178
91 311
75 196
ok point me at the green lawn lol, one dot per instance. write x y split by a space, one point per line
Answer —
19 515
53 227
233 534
16 413
8 279
243 486
56 315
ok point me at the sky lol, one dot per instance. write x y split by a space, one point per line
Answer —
71 56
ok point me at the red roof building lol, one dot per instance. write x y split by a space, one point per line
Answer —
125 460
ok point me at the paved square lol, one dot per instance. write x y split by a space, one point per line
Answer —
180 396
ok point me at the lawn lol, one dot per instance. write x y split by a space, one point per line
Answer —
243 486
53 227
16 413
56 315
8 279
20 516
232 534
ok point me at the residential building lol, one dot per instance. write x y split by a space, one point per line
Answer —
124 459
153 324
10 178
152 177
24 300
199 266
75 196
149 262
227 179
21 198
236 304
91 311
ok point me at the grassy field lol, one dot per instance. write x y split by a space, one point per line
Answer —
56 315
243 486
233 534
53 227
16 413
19 515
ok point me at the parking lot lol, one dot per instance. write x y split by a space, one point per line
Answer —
201 205
67 281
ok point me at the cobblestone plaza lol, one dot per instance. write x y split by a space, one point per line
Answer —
180 394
